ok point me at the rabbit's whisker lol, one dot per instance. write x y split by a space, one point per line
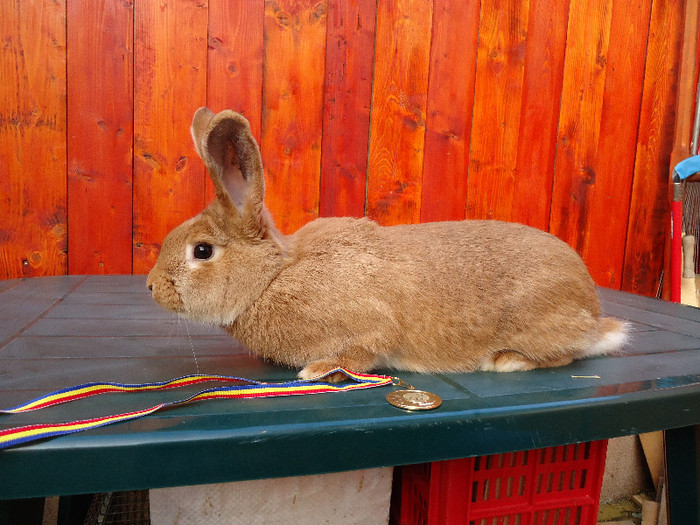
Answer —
194 354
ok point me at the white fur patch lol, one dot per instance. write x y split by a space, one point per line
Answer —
505 365
511 365
611 341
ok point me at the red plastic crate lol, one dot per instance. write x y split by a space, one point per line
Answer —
548 486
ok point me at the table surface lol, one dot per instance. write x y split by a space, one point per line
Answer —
62 331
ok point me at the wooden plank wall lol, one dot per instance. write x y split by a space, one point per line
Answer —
553 114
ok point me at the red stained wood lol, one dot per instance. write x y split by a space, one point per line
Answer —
170 84
559 115
295 34
346 108
649 208
614 168
592 206
537 137
449 110
497 108
686 73
579 120
100 134
33 227
235 59
399 103
235 62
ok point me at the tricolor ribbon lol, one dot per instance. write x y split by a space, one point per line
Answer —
19 435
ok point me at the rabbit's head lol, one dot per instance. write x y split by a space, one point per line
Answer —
213 266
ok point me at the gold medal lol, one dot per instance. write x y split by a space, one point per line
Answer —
414 399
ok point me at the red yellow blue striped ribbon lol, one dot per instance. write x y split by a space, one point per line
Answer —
25 434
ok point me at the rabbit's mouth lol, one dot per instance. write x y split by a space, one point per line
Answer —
165 294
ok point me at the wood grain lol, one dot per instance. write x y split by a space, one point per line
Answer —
588 39
170 84
235 62
235 59
346 107
649 207
399 102
33 222
497 109
614 167
449 110
596 143
537 136
555 114
295 34
100 134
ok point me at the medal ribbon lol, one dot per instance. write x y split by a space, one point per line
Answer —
20 435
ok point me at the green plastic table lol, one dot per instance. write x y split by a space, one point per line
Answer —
61 331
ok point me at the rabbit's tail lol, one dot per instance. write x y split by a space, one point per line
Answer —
613 335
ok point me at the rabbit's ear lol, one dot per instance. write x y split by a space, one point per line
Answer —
200 123
227 147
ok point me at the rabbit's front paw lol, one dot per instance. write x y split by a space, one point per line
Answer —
354 359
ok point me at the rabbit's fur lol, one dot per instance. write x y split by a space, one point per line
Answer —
344 292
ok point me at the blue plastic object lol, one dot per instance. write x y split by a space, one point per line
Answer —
686 168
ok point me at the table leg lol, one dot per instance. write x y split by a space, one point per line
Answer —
682 448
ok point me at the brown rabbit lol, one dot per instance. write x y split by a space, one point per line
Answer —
344 292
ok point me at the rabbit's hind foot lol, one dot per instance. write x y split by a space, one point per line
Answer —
513 361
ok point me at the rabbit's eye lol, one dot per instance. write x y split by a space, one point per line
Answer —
203 251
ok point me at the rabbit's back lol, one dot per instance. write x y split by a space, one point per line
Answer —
436 296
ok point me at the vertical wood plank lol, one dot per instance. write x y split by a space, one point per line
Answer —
32 139
579 119
614 167
537 137
602 154
497 108
686 72
170 84
235 59
295 34
649 208
399 101
100 133
235 62
449 111
346 108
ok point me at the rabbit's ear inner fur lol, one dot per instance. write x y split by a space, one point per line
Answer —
227 147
